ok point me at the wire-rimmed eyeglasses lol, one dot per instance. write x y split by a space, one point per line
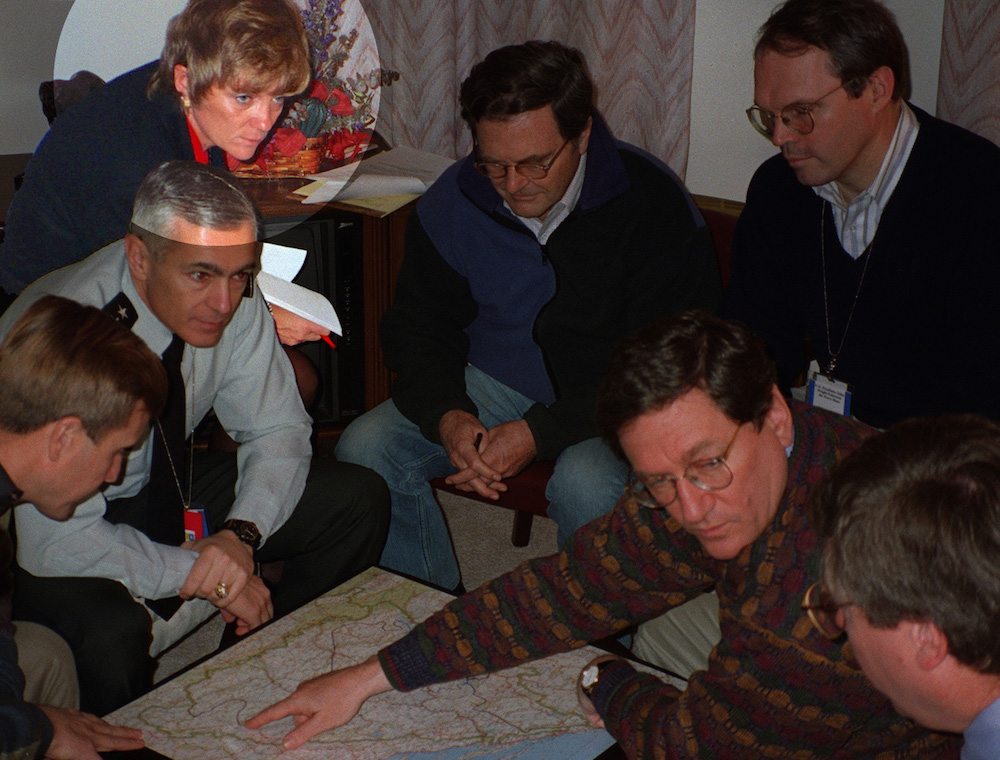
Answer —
798 117
707 474
497 170
822 609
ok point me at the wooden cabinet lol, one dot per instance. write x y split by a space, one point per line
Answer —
353 257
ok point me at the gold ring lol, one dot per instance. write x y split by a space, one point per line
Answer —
222 590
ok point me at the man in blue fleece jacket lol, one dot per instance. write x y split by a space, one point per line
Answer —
525 263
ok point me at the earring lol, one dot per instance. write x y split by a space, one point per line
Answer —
185 102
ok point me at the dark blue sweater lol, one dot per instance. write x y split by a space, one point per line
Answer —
923 338
80 183
476 286
25 731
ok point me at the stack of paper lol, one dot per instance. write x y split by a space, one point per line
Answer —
394 173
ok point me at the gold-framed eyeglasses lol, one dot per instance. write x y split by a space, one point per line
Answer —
497 170
707 474
822 609
798 117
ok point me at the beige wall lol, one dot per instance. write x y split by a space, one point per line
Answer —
27 51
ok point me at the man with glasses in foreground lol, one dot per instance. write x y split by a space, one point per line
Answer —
524 264
912 564
723 468
870 244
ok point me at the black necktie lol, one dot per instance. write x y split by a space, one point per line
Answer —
168 471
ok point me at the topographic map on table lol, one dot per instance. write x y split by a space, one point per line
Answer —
526 713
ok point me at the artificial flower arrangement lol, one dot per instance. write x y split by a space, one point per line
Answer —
335 118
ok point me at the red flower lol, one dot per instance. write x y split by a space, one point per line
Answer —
318 91
343 106
288 141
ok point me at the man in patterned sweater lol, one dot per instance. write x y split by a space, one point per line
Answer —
723 468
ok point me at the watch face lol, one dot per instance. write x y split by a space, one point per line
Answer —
245 531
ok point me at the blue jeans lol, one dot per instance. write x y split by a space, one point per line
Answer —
587 481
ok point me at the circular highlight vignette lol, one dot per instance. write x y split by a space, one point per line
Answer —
110 38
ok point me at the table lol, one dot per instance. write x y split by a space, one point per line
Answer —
527 713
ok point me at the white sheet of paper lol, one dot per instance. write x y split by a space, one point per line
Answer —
404 161
308 304
400 171
281 260
364 186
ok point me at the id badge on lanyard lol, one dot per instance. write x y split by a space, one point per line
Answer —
826 392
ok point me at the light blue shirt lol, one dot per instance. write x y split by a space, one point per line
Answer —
249 382
982 737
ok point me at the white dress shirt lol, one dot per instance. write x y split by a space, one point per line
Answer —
857 221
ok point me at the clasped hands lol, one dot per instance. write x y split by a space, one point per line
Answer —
502 452
226 562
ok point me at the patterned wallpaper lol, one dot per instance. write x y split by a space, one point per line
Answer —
969 82
639 51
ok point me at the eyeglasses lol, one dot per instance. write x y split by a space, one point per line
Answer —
797 117
822 608
708 475
496 170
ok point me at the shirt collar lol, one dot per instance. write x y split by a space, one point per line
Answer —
888 174
543 229
858 221
981 735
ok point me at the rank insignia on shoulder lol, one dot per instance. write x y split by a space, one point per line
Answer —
121 310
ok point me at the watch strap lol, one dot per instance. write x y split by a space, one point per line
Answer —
593 674
245 531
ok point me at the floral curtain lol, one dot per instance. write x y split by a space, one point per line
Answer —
639 51
969 80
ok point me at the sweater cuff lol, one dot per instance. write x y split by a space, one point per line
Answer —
25 731
45 729
406 666
612 676
549 444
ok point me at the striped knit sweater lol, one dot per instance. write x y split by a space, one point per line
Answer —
774 686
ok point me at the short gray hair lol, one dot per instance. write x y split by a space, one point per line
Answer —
203 195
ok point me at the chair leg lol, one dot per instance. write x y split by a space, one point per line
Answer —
521 534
